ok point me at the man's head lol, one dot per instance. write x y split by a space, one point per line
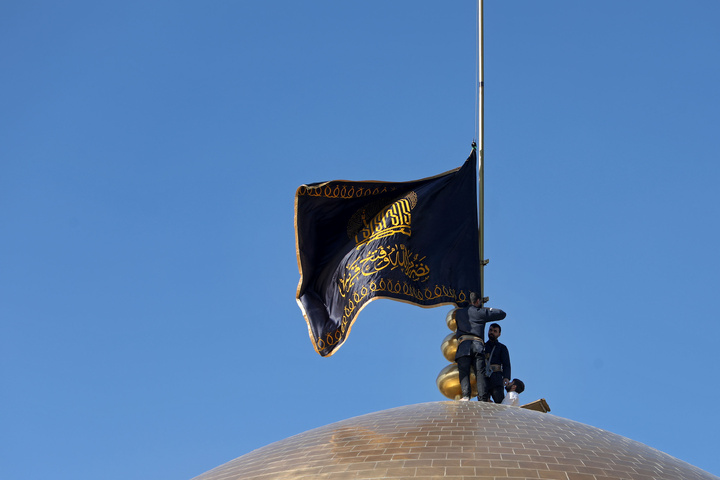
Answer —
494 331
516 385
474 299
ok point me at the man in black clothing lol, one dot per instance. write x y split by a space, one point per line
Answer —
497 360
470 334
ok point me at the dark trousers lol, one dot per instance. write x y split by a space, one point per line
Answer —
495 387
497 393
465 365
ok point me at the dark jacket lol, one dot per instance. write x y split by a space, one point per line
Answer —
500 356
471 321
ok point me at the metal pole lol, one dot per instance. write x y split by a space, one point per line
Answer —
481 153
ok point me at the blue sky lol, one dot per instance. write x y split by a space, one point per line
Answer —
149 156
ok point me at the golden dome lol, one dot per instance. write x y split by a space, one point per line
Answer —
458 441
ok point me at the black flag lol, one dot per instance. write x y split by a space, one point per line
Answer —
416 242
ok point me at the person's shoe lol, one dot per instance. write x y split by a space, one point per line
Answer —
465 399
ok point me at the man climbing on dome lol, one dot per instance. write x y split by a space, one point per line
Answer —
497 365
470 335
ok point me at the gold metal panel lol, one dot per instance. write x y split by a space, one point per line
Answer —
538 405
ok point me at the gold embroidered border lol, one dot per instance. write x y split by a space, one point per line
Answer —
416 295
328 190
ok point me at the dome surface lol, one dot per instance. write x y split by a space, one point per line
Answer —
456 441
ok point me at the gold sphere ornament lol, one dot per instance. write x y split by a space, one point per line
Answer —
448 382
450 319
449 347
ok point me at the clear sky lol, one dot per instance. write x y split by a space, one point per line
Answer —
149 156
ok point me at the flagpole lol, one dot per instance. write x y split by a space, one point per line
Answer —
481 153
